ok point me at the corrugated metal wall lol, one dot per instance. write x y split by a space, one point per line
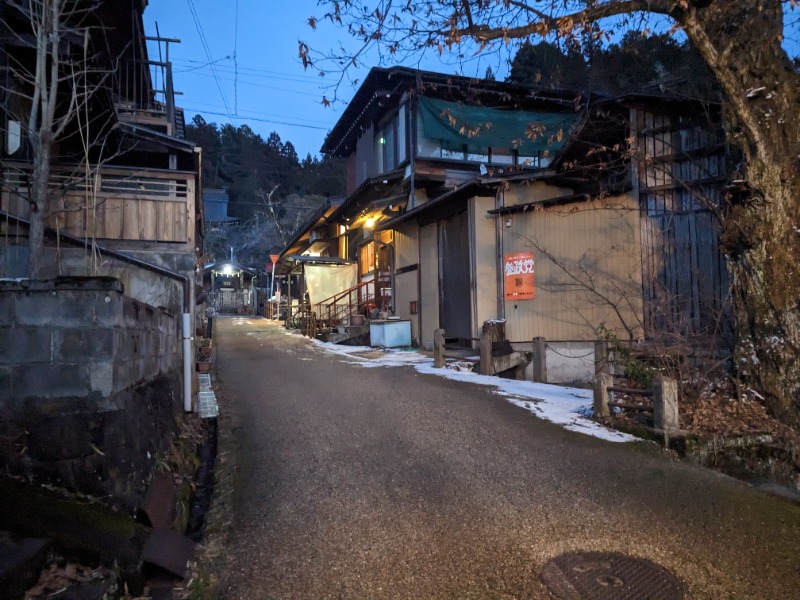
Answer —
484 260
455 295
588 269
429 282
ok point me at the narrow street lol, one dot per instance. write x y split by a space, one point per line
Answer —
358 482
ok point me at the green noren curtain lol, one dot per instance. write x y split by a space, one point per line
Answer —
478 127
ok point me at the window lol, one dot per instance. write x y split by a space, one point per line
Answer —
502 156
366 258
529 161
391 143
402 138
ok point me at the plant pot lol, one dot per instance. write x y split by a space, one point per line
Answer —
204 351
203 366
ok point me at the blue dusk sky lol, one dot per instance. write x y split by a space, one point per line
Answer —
266 86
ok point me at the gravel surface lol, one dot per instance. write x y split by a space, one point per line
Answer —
384 483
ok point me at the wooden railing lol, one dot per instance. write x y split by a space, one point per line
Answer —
109 203
145 93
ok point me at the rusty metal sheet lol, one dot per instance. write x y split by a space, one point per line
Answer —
169 550
159 500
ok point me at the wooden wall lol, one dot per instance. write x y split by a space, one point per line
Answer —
679 176
117 204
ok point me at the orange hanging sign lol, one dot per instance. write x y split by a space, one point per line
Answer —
519 276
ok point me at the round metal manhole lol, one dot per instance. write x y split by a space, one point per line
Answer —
609 576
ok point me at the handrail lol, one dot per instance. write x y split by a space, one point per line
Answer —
345 292
348 302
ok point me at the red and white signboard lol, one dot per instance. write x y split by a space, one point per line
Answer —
519 276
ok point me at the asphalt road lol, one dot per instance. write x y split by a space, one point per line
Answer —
384 483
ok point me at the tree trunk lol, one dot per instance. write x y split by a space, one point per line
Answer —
38 209
741 41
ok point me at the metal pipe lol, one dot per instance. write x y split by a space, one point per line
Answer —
186 331
184 280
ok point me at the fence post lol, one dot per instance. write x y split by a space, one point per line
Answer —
438 348
601 358
539 360
486 353
602 381
665 403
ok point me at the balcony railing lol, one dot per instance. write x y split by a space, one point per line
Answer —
145 95
109 203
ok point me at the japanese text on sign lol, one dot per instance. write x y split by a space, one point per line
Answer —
519 276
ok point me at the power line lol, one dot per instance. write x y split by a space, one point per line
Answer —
260 120
267 72
315 95
261 115
235 61
176 71
207 50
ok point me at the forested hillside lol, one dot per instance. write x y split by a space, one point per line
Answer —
657 64
271 190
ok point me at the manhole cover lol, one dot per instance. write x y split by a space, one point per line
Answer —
609 576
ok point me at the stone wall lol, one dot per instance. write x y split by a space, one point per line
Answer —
88 385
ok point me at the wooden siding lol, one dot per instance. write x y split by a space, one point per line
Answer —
578 246
118 204
679 179
406 246
365 155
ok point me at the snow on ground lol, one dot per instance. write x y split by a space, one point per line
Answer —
565 406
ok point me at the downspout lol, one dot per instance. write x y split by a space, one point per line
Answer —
185 304
499 239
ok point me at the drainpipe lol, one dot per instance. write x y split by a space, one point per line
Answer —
186 330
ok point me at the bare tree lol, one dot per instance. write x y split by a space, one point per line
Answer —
51 94
742 44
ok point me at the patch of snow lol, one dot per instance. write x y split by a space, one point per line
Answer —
565 406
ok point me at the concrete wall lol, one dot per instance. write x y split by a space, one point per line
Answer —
88 384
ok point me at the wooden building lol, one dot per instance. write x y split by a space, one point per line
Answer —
123 177
569 217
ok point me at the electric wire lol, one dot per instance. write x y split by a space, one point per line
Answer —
207 50
235 61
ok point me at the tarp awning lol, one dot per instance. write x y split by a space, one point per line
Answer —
478 128
325 281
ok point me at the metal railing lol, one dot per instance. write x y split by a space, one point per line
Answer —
357 300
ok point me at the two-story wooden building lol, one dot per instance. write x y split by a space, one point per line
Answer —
567 216
123 176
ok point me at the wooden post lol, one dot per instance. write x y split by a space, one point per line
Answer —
438 348
601 358
486 354
539 360
602 381
665 404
